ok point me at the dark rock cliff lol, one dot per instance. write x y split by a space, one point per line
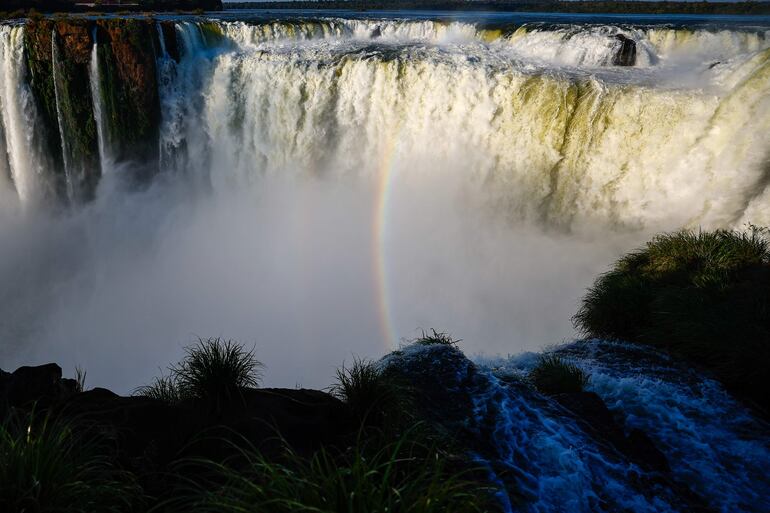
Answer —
129 86
59 54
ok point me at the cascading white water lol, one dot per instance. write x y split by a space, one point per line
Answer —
27 161
714 445
55 58
559 145
6 183
105 158
513 108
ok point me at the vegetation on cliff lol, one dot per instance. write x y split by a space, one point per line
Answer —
704 296
64 449
59 60
129 87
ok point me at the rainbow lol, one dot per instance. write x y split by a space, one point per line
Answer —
383 194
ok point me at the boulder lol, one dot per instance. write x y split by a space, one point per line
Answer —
168 30
40 384
626 53
594 416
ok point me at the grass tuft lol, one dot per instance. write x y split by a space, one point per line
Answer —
163 388
404 475
554 375
216 368
436 337
704 296
80 379
213 369
374 397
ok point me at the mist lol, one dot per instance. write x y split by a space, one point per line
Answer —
287 265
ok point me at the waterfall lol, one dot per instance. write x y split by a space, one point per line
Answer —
334 100
6 181
162 40
105 161
181 90
68 172
539 112
25 157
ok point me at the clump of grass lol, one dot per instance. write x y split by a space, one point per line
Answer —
163 388
554 375
374 397
436 337
216 368
404 475
703 296
213 369
80 379
48 464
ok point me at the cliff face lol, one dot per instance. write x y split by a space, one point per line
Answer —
70 67
129 86
38 43
59 58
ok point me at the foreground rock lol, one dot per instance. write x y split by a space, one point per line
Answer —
42 384
626 54
148 435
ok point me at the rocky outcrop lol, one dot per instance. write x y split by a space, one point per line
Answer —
38 34
168 28
148 435
73 44
594 416
129 86
41 384
626 53
59 55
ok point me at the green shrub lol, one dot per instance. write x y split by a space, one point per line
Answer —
375 398
48 464
375 477
703 296
553 375
212 369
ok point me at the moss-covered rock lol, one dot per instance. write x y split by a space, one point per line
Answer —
38 34
169 38
59 53
129 86
75 107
